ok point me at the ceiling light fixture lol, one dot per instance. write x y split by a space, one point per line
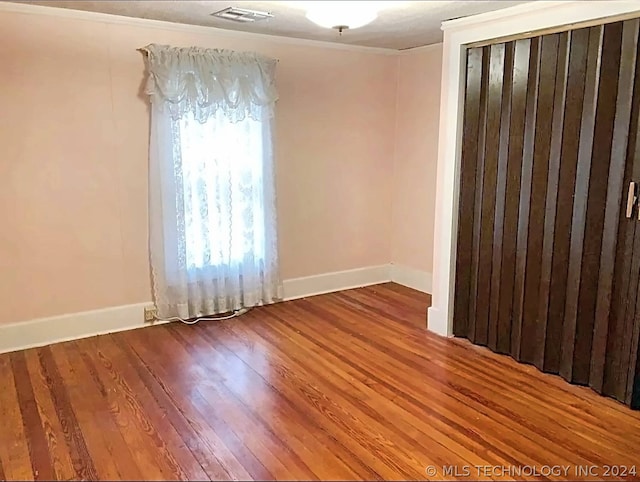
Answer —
343 15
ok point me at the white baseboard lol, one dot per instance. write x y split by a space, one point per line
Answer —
339 280
55 329
412 278
73 326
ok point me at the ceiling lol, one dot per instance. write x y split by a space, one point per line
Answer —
401 25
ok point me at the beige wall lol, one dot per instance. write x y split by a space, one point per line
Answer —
73 169
416 153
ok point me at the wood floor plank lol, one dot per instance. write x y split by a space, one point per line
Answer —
504 409
238 424
513 368
360 395
73 433
177 416
14 449
242 455
63 466
149 450
347 385
33 426
368 388
434 387
162 434
107 448
271 395
267 406
574 422
391 324
182 384
346 417
506 386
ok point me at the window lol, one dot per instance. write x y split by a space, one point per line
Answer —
212 221
222 180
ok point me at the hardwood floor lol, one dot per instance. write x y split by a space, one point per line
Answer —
341 386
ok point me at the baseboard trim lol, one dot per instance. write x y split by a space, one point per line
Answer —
337 281
73 326
412 278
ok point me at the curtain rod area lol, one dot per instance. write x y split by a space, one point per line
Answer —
144 51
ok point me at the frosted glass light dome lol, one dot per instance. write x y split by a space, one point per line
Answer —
342 15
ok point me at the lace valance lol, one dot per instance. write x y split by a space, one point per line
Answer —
209 81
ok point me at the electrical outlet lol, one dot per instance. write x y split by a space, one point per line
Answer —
150 314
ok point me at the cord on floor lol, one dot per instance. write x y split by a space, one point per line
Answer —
193 321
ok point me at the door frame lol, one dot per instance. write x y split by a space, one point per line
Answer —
529 19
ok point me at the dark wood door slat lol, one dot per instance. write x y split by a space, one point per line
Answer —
469 158
614 214
533 193
488 200
570 362
600 183
504 148
527 187
548 352
566 189
479 189
523 115
523 54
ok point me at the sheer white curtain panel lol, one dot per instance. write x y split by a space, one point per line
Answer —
212 216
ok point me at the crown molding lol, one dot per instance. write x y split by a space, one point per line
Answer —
516 10
422 48
23 8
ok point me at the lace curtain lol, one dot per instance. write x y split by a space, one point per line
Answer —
212 200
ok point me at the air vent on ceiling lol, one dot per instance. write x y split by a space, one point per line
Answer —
241 14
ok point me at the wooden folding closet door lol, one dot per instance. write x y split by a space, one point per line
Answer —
548 262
